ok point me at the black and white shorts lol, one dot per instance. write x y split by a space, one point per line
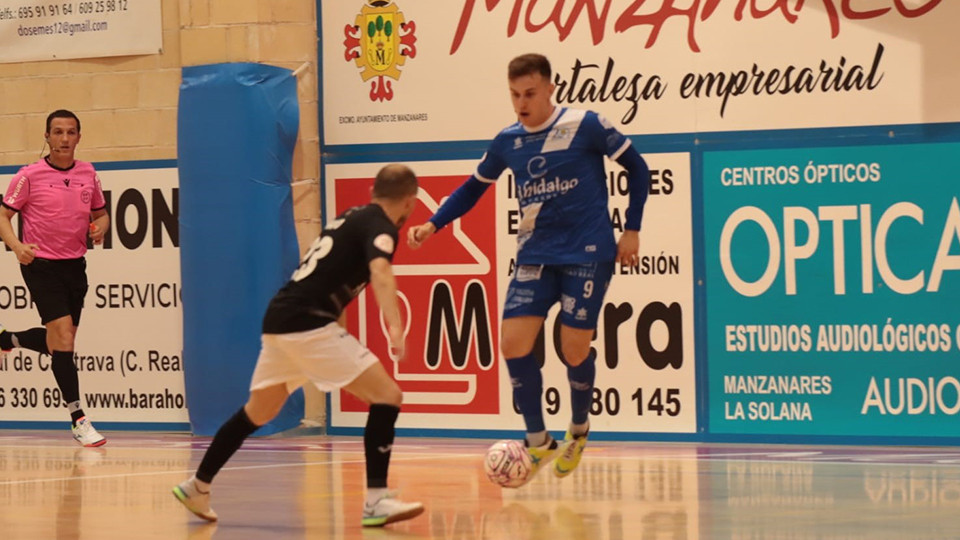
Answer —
329 357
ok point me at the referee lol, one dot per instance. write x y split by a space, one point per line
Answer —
60 203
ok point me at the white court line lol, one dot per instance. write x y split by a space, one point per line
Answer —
595 453
189 471
801 461
868 457
311 447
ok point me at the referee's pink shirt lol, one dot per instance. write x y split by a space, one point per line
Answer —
55 206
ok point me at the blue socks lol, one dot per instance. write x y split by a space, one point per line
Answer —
527 382
581 387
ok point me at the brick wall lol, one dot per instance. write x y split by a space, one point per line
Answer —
277 32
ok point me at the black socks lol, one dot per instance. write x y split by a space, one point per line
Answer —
34 339
378 442
65 371
228 440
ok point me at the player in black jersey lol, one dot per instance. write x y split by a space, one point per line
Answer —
302 342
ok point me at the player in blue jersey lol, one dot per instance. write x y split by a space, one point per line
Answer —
566 249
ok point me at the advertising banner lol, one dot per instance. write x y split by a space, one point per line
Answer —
452 292
128 347
831 280
32 30
418 70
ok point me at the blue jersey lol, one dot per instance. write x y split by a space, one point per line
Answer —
561 185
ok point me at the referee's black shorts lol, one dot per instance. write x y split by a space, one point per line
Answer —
57 287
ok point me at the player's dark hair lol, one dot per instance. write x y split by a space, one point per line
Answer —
528 64
62 113
394 182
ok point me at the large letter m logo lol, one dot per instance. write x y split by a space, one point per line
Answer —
472 327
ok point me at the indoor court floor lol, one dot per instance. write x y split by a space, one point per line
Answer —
310 487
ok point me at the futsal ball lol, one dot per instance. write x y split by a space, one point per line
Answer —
508 464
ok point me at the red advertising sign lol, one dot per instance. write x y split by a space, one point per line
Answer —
448 301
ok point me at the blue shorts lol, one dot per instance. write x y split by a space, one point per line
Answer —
579 288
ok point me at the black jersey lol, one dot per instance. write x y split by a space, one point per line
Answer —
333 271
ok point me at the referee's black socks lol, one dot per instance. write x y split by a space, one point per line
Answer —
34 339
65 371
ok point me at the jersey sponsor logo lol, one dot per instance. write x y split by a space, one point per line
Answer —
557 186
537 166
384 242
379 42
16 191
564 131
517 297
66 182
529 272
560 132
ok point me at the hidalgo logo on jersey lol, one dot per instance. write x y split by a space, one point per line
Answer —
545 188
379 41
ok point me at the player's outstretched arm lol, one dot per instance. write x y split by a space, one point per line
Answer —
457 204
419 234
384 286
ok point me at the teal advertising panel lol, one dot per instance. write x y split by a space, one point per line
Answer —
833 291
